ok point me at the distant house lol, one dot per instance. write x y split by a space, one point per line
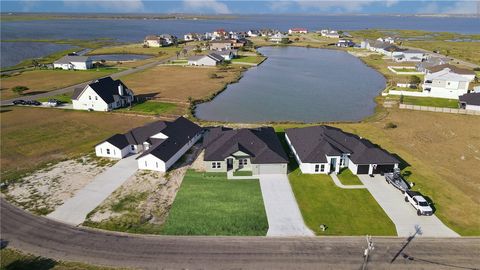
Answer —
409 56
73 62
297 31
212 59
255 150
104 94
220 45
227 54
330 33
345 43
431 62
388 40
167 39
279 38
160 143
220 34
470 101
152 41
253 33
191 37
447 81
324 149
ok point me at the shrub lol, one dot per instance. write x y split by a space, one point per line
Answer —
19 89
390 125
213 76
476 69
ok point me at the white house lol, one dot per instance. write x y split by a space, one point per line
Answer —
152 41
330 33
409 56
104 94
470 101
228 54
345 43
297 31
69 62
253 33
446 83
388 40
160 143
279 38
324 149
212 59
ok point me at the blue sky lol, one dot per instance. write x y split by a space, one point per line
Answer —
245 7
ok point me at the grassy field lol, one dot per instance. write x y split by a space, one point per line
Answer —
179 83
344 211
137 49
32 137
15 260
153 107
433 102
248 59
40 81
467 51
441 152
67 98
348 178
380 64
209 204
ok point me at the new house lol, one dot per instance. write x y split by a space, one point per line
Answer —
429 62
297 31
103 94
227 54
409 56
73 62
279 38
324 149
470 101
221 45
212 59
447 81
160 143
255 150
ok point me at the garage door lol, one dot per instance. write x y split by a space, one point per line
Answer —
381 169
272 169
362 169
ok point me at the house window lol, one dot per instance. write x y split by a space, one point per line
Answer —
132 147
96 98
322 167
146 163
216 165
243 161
156 163
89 97
108 151
317 167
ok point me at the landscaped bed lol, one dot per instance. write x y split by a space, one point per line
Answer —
209 204
343 211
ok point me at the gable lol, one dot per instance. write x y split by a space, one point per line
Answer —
88 92
159 135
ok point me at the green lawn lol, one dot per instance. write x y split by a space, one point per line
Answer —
344 211
209 204
152 107
433 102
67 98
242 173
248 59
348 178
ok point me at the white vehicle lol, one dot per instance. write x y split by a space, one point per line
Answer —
419 203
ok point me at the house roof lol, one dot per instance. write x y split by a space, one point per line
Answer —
67 59
262 144
179 133
216 57
470 98
152 37
298 29
314 144
106 88
117 140
446 74
453 68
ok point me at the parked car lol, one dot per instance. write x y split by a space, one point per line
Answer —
33 102
19 102
418 201
53 102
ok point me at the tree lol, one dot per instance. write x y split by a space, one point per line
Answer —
415 80
35 63
19 89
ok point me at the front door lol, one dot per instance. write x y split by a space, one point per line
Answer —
333 164
229 164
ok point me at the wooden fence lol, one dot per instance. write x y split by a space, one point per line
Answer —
438 109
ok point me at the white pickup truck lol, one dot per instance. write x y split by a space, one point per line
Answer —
419 203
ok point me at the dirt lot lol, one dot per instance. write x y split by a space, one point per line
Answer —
48 188
31 137
179 83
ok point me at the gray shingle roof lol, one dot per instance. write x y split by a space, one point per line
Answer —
453 68
72 58
470 98
261 144
313 144
118 140
106 88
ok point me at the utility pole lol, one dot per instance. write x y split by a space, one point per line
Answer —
367 251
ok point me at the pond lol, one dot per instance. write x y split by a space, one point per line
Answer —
301 85
119 57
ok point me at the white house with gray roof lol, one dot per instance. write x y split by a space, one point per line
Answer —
103 94
447 81
73 62
324 149
160 143
212 59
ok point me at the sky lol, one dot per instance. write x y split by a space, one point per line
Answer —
246 6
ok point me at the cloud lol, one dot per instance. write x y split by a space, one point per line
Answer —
108 5
205 5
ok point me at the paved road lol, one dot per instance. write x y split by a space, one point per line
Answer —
75 210
45 237
284 217
401 213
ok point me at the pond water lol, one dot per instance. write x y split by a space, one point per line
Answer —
119 57
299 84
13 53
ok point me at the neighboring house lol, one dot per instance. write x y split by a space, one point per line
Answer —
237 35
102 95
345 43
152 41
374 46
388 40
470 101
431 62
212 59
257 150
330 33
409 56
220 34
160 143
73 62
447 81
253 33
324 149
227 54
220 45
279 38
167 39
297 31
190 37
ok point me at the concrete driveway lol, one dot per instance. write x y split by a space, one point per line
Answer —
75 209
402 213
284 217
